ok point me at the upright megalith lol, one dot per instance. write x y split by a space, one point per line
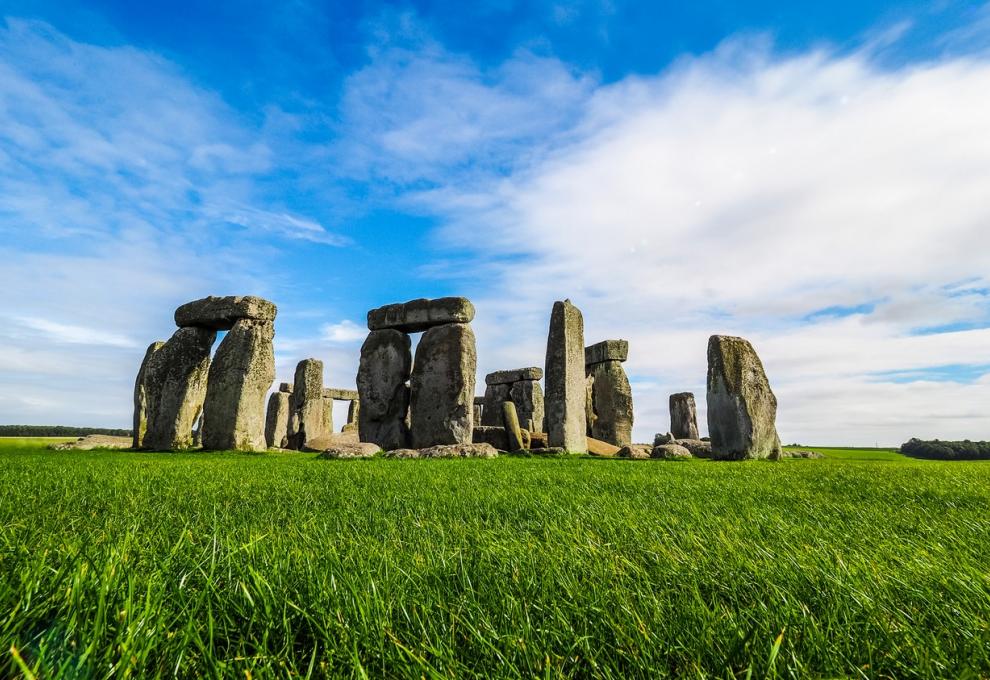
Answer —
175 386
309 419
610 407
353 414
565 379
683 416
495 395
242 371
421 314
528 397
742 409
277 420
141 394
479 404
383 371
441 406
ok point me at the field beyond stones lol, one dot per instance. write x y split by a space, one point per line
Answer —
864 564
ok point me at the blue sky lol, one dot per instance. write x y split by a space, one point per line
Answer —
809 175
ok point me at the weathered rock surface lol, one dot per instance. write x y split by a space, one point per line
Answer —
401 453
359 450
527 395
340 394
386 361
510 421
683 416
441 406
221 313
353 413
566 388
698 448
418 315
537 440
241 374
606 350
635 451
94 441
310 410
742 409
459 451
597 447
491 412
175 386
661 438
141 396
784 453
277 420
489 434
670 452
286 387
612 403
514 375
479 403
331 440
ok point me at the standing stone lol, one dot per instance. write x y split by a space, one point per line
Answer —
242 372
565 379
140 395
479 403
277 420
683 416
527 395
310 411
441 406
513 433
491 412
384 368
353 413
327 415
742 409
175 385
612 403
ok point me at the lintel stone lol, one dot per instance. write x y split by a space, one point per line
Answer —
606 350
514 375
418 315
221 313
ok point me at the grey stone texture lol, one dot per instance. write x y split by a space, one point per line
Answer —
277 420
478 408
683 416
640 451
241 374
491 412
386 362
611 403
175 386
670 452
698 448
221 313
340 394
358 450
565 379
488 434
459 451
597 447
606 350
514 375
742 408
441 405
510 421
141 395
527 395
286 387
309 407
419 315
353 412
661 438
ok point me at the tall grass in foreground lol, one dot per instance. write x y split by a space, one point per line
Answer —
215 565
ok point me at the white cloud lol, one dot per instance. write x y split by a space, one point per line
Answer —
75 335
344 332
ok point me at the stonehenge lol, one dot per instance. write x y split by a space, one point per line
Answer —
332 394
382 382
441 401
742 408
610 406
683 416
277 418
520 386
566 395
309 418
177 382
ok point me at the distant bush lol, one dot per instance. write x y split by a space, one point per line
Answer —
57 431
939 450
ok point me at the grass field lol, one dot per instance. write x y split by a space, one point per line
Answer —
237 565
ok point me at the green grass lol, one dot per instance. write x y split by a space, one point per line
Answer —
855 454
137 564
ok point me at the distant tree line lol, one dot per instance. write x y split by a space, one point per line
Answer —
939 450
57 431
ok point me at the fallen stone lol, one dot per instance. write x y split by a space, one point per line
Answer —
527 395
401 453
785 453
742 408
310 410
277 420
175 386
340 394
635 451
441 405
141 396
495 396
241 374
670 452
550 451
510 421
459 451
331 440
384 368
94 441
537 440
221 313
597 447
661 438
683 416
489 434
606 350
514 375
418 315
566 393
286 387
698 448
612 403
360 450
